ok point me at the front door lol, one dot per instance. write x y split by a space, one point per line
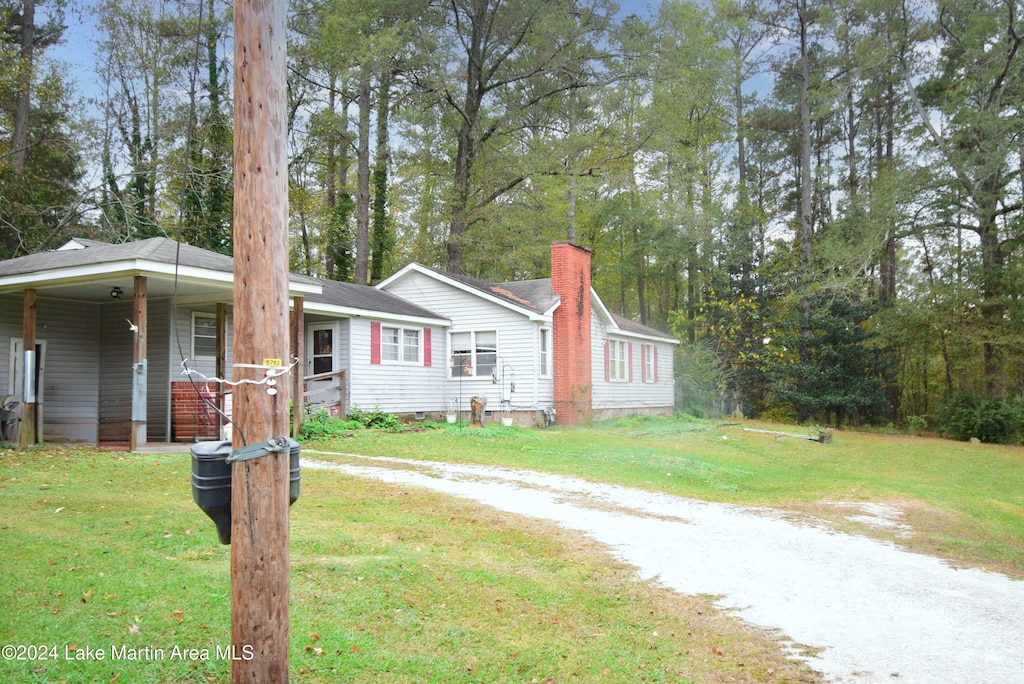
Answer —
321 363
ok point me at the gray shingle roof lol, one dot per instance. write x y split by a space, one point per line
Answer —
367 298
158 249
632 326
538 296
535 295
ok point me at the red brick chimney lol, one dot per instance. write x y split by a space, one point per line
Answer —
570 279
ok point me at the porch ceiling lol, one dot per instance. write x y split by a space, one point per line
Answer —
97 289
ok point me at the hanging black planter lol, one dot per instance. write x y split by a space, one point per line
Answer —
211 482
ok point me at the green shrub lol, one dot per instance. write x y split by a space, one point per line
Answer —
320 425
965 416
375 419
780 414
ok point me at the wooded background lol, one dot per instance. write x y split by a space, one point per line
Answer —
821 198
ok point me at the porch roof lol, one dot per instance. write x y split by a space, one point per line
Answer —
347 299
87 270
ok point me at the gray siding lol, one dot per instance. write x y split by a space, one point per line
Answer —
163 367
70 388
157 349
182 345
116 372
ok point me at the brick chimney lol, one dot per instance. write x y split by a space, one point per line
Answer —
570 279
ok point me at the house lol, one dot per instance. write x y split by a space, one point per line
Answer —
127 342
536 345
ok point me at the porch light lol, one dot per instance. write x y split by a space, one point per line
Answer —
116 292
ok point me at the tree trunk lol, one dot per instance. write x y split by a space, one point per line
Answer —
19 141
381 224
465 153
993 307
806 230
363 181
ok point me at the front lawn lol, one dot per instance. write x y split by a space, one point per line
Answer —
106 556
964 502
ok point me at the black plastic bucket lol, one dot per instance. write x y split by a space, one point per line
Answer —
211 482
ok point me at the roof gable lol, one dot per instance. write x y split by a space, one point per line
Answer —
531 298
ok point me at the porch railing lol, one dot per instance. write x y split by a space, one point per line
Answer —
332 395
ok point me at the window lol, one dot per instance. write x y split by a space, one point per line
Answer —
204 336
474 354
545 353
399 345
618 366
392 344
649 353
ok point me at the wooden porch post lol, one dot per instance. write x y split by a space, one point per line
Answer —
221 364
140 375
298 352
28 410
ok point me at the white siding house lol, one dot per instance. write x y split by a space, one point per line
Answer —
420 344
631 364
492 347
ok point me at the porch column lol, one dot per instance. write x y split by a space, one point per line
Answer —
222 363
139 374
298 344
28 434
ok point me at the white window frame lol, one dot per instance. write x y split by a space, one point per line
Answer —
196 315
474 352
401 347
544 353
618 363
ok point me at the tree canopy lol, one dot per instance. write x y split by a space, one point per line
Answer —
822 198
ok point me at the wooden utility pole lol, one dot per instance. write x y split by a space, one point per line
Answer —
259 498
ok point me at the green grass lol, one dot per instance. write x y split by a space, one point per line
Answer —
964 501
388 584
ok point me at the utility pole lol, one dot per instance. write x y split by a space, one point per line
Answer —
259 487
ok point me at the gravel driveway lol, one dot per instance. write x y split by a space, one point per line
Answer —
879 614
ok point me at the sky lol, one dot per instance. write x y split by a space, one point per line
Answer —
78 49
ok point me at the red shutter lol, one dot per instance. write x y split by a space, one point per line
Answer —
374 342
607 362
654 350
629 360
426 347
643 363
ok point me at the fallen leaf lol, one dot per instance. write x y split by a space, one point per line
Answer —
177 613
134 629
